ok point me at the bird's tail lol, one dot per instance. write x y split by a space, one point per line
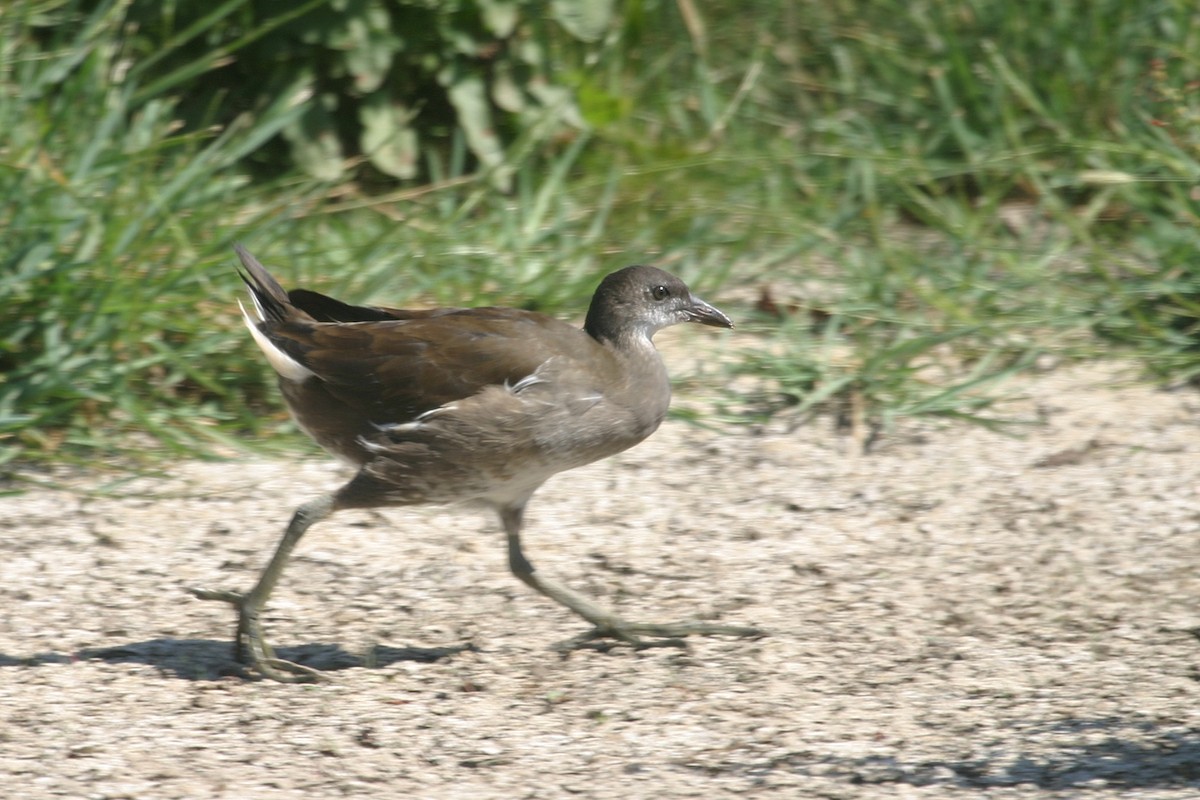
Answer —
270 300
273 307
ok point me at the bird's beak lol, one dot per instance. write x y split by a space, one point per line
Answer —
702 312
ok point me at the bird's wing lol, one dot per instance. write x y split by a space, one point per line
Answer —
395 370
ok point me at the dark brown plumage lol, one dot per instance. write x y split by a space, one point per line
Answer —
451 405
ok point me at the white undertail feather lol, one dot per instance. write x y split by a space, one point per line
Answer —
415 424
524 383
281 362
258 309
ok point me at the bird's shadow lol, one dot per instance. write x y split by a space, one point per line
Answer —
212 659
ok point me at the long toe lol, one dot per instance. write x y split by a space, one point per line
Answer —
220 595
605 639
277 669
692 628
643 635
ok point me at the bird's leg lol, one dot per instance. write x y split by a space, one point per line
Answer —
607 623
250 643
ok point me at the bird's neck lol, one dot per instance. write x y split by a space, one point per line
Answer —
647 388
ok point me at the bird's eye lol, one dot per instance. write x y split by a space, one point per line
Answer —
659 292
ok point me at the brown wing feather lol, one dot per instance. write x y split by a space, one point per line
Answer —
393 371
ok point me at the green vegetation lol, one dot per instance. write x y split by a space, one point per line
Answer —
931 195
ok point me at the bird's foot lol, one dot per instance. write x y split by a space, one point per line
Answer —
669 634
250 645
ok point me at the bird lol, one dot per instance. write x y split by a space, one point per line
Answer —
450 405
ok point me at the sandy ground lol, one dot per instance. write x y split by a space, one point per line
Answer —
960 613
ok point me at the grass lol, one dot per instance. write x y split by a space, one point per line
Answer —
104 332
932 194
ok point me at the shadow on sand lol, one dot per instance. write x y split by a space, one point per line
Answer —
212 659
